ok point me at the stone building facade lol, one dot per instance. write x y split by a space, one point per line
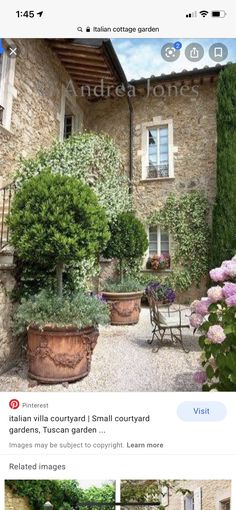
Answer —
40 102
202 495
190 121
37 87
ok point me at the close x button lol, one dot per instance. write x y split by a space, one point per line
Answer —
12 51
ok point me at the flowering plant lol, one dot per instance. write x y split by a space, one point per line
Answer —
159 262
215 317
163 292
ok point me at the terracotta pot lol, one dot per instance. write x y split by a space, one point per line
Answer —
124 307
58 355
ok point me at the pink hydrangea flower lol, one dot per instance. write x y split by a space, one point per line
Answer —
225 263
229 289
218 274
230 268
194 304
196 320
201 307
231 301
200 377
215 294
216 334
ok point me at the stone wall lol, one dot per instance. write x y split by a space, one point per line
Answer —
35 120
194 147
14 502
212 493
194 129
9 347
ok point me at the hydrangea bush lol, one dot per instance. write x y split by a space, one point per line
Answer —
215 317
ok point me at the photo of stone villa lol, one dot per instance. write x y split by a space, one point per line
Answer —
180 494
146 151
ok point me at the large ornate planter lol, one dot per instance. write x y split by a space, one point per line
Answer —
124 307
58 355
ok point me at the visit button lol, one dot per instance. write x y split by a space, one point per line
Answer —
201 411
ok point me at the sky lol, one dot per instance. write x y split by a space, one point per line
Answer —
141 58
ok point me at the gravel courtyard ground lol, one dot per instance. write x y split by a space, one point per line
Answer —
123 361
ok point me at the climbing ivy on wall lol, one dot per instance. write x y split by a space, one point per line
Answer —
150 491
185 217
95 160
62 494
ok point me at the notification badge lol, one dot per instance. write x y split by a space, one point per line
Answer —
14 403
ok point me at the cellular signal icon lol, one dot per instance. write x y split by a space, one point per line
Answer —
191 14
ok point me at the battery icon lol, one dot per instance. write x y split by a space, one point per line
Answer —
218 14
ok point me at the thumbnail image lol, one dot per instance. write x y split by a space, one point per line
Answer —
177 494
117 215
59 494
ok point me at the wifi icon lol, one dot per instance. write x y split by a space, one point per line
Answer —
204 13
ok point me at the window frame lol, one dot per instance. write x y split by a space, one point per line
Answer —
157 123
223 502
190 498
69 96
159 230
148 255
157 128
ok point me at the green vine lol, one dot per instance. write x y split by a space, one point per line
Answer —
63 494
185 218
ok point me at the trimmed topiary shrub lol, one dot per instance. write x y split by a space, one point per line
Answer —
56 220
128 241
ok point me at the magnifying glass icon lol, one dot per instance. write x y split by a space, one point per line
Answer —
79 29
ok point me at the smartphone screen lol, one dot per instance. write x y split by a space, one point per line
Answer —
117 256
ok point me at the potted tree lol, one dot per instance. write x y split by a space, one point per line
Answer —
127 244
57 218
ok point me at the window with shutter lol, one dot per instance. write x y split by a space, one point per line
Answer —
7 90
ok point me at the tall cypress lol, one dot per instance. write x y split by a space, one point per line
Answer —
224 212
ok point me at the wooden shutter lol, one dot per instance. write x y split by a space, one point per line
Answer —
198 499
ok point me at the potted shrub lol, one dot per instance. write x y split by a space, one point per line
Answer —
57 218
128 243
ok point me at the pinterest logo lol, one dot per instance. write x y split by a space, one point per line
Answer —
14 403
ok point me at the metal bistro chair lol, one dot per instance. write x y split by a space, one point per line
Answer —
166 322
